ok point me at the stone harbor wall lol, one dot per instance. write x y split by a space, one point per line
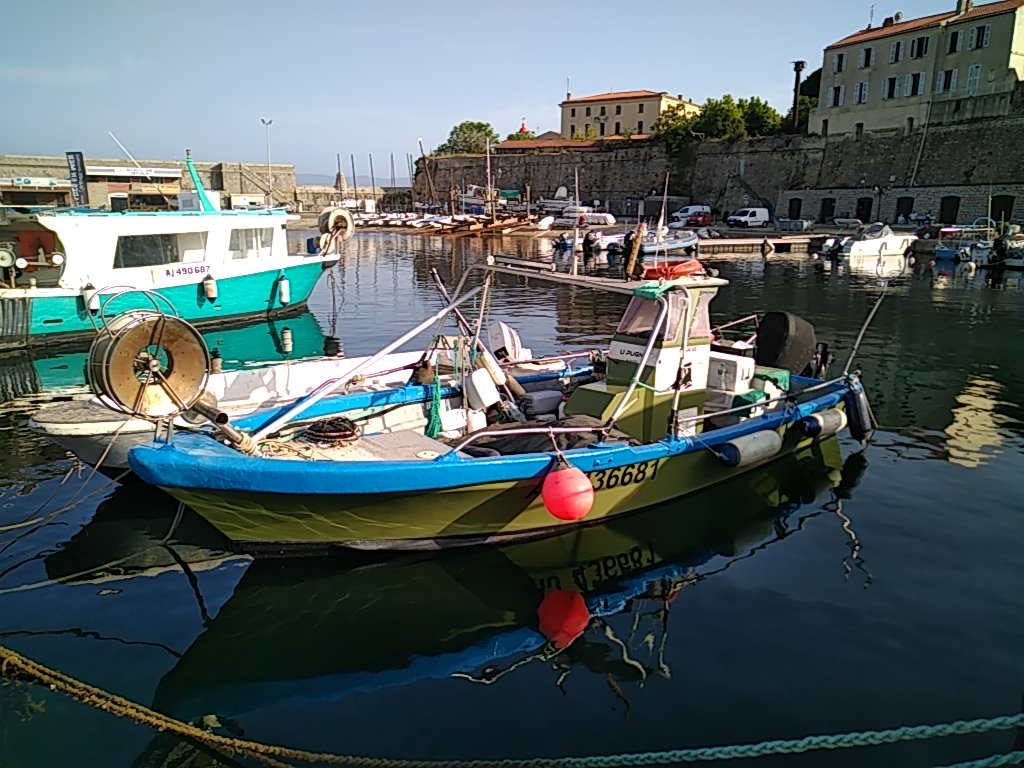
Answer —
926 166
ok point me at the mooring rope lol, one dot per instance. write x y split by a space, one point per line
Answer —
14 665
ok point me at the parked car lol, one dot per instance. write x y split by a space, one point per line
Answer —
699 219
749 217
684 213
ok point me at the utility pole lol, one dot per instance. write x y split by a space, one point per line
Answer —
798 67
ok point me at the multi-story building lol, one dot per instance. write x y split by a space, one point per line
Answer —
949 66
618 112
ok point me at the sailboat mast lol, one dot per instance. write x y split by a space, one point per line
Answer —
576 225
488 197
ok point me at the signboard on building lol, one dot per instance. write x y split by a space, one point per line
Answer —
76 171
134 171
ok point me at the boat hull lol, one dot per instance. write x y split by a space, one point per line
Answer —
30 320
439 506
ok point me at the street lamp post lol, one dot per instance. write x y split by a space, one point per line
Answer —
798 67
270 173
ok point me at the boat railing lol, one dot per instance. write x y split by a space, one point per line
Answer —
605 428
331 385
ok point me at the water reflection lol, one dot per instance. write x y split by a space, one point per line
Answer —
594 601
976 434
54 371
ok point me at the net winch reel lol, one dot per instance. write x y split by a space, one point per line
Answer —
155 366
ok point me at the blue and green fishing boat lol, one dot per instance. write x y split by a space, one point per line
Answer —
676 412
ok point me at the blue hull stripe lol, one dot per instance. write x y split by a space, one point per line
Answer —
198 462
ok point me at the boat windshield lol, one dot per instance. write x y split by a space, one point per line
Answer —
873 231
641 315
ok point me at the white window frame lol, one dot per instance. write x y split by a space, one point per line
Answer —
959 37
895 90
837 94
973 79
896 51
916 46
860 92
946 80
972 36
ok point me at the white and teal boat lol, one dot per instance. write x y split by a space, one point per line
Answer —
62 272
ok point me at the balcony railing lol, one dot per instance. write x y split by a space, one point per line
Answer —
982 89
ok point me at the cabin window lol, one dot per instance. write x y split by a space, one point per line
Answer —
700 326
192 246
145 251
642 314
251 243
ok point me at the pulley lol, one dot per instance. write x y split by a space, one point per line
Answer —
149 364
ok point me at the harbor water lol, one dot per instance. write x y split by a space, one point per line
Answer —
844 589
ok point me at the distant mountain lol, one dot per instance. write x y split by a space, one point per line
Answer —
361 181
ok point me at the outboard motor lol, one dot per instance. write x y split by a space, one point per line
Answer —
785 340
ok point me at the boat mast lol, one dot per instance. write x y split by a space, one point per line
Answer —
488 198
659 236
576 226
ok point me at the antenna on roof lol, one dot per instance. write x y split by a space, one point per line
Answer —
871 16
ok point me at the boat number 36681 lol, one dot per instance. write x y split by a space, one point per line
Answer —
628 475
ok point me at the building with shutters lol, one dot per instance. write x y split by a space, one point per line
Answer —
618 113
906 73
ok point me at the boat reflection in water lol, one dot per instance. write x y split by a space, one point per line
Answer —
327 627
237 345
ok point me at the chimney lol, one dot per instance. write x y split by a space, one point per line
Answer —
679 97
568 95
888 21
963 6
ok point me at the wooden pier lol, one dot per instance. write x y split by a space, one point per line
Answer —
744 245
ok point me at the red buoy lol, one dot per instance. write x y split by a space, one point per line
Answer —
563 616
567 492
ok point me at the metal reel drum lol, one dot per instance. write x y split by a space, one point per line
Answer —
151 365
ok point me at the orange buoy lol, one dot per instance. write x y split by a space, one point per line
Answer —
674 269
567 492
563 617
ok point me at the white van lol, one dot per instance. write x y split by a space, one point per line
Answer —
687 211
749 217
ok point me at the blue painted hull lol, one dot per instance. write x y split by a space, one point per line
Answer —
415 502
55 319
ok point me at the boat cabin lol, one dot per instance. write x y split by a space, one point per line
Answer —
68 249
663 374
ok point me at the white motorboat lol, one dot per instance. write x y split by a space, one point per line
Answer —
101 435
873 241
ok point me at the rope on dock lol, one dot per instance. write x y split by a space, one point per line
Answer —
14 665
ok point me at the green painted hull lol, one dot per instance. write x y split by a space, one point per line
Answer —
466 515
39 320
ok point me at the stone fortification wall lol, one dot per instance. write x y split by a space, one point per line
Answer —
609 175
928 164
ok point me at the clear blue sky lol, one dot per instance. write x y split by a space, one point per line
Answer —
371 76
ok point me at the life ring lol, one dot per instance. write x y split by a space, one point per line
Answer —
674 270
331 219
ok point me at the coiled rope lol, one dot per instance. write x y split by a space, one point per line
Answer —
14 665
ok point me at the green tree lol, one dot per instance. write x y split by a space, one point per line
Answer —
520 136
760 117
587 135
804 107
721 119
468 138
675 127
